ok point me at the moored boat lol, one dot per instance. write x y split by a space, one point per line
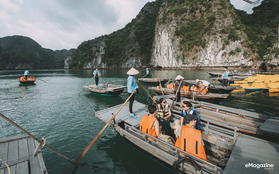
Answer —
106 89
210 97
29 80
224 145
153 81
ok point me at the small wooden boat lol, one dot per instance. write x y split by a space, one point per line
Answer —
220 89
106 89
210 97
227 149
231 79
29 80
153 81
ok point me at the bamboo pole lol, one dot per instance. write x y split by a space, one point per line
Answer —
94 140
12 81
146 92
160 83
86 85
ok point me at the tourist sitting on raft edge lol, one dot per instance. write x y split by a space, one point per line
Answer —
190 139
170 85
194 88
187 109
202 88
185 87
163 116
149 123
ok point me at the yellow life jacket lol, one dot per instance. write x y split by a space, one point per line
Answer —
191 142
162 113
146 125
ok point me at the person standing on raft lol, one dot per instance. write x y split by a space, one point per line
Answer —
131 87
177 88
225 78
26 73
96 74
147 72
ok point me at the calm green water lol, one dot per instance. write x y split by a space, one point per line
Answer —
68 121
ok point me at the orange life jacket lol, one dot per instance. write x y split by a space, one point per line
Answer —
194 89
190 141
185 88
22 79
204 91
146 125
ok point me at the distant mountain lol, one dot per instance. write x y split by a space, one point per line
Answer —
19 52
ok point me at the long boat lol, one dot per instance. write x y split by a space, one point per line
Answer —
210 97
105 89
29 80
153 81
227 149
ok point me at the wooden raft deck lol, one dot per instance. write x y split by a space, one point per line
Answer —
139 109
253 150
17 153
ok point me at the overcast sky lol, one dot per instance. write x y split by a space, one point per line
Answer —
64 24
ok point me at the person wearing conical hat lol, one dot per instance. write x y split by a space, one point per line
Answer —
131 87
147 72
177 88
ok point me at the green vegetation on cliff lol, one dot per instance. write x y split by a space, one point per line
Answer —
261 26
19 52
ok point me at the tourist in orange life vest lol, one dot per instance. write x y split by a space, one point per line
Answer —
194 88
170 85
185 87
189 139
149 123
202 88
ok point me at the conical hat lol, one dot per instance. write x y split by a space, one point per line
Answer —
179 77
132 71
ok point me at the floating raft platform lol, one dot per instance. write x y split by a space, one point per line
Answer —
104 89
17 153
153 81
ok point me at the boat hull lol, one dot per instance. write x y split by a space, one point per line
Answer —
153 81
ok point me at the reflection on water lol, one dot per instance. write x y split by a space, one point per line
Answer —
67 120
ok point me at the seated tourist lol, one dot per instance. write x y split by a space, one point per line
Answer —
202 88
190 139
194 88
149 123
170 85
163 116
187 109
185 87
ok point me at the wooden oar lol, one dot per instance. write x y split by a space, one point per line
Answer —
146 92
12 81
86 85
176 93
152 74
144 76
94 140
42 80
105 80
160 83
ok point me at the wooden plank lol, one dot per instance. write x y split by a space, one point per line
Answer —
41 161
12 170
271 126
13 151
22 168
4 147
34 163
8 139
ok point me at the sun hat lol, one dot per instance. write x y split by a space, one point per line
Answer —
179 77
132 71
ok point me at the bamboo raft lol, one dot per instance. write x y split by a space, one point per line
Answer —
107 89
16 154
154 81
210 97
226 148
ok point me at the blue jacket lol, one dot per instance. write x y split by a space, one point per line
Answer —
26 73
94 73
191 112
225 75
147 71
131 84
